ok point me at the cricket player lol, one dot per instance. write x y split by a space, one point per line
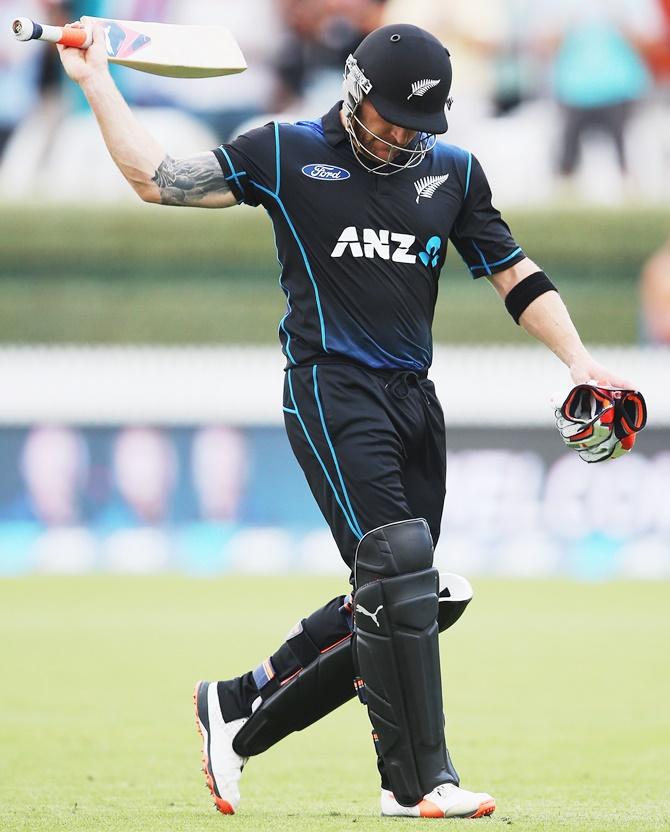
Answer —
364 202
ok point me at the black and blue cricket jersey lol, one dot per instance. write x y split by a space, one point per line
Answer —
361 253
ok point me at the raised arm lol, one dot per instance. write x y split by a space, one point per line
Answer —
155 176
547 319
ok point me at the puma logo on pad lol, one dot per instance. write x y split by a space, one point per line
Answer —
372 615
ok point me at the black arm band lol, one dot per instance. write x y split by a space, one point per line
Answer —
523 294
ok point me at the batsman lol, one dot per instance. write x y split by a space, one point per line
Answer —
364 202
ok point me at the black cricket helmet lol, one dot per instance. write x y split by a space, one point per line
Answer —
405 72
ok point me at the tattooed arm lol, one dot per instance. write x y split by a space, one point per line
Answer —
155 176
197 181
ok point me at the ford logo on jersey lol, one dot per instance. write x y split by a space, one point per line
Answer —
326 173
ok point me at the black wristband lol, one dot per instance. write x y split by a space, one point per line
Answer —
523 294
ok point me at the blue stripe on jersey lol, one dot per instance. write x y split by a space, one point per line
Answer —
489 266
236 175
285 289
282 325
467 176
277 179
483 259
289 308
332 451
320 461
304 257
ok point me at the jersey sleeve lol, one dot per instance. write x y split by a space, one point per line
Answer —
249 164
480 234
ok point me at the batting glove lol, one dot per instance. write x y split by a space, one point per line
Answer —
600 423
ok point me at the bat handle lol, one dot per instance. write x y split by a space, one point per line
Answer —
26 29
81 38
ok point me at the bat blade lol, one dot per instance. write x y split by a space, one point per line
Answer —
172 50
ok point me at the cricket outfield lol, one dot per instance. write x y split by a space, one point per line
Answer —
557 698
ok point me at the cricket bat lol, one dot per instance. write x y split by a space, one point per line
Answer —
158 48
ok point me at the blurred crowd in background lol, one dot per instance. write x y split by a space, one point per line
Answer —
572 93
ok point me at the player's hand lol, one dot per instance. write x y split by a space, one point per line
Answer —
83 64
587 371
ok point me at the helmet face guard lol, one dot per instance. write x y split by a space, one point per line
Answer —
405 73
398 157
412 154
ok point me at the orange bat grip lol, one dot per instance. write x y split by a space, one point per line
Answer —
73 37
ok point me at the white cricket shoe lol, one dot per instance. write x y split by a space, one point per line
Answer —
221 765
445 801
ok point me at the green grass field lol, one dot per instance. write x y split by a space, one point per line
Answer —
557 703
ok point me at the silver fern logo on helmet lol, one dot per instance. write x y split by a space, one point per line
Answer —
420 88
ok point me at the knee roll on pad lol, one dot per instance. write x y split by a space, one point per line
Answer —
394 549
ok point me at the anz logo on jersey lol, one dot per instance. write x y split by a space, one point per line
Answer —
388 245
383 243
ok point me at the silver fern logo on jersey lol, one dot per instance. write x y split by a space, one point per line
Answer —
420 88
427 186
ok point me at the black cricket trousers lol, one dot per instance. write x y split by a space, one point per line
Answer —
371 444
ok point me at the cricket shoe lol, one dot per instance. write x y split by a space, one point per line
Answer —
445 801
221 765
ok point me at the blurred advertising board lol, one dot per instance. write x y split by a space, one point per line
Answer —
213 498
